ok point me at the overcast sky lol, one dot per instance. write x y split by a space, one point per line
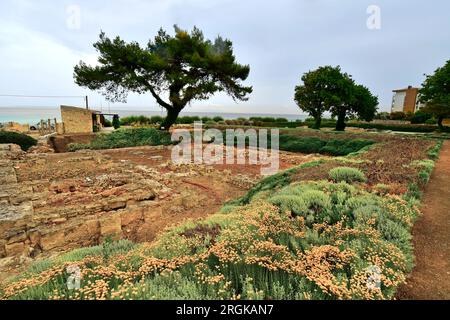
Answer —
41 41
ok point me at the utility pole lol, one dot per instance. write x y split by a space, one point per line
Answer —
87 102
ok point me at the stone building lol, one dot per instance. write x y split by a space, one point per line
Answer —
80 120
406 100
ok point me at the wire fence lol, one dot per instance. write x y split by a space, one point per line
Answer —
85 98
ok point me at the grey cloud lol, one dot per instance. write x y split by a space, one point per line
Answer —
279 39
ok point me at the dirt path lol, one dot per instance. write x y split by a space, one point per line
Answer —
431 277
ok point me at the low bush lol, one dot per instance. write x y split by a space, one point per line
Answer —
272 183
141 120
433 153
382 116
124 138
382 126
334 147
108 123
135 120
398 127
426 168
420 117
399 115
341 238
347 174
414 193
189 119
24 141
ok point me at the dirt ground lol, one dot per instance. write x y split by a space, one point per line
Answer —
431 276
74 200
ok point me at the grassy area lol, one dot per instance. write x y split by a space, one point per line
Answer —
407 127
314 144
334 147
24 141
288 238
124 138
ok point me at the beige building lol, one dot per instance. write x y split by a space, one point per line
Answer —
80 120
406 100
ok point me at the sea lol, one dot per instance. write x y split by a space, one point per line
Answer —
32 116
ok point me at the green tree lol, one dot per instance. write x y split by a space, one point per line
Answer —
116 122
357 101
330 89
321 89
184 67
435 93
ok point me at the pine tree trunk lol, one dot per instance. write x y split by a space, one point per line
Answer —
440 120
171 118
317 122
340 124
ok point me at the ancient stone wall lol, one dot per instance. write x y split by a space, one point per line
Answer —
76 120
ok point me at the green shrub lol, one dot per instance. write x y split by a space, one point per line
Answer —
188 119
291 203
420 117
116 122
397 127
301 144
108 124
382 116
218 119
431 121
272 183
156 119
399 115
433 153
342 147
174 286
334 147
124 138
347 174
141 120
24 141
414 193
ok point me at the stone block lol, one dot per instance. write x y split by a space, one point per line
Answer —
84 234
111 225
52 240
14 249
131 216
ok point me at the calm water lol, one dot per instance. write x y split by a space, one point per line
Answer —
34 115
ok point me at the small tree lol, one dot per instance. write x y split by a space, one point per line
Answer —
363 104
344 101
184 67
319 91
329 89
435 93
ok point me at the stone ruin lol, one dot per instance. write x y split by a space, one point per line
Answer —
53 203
